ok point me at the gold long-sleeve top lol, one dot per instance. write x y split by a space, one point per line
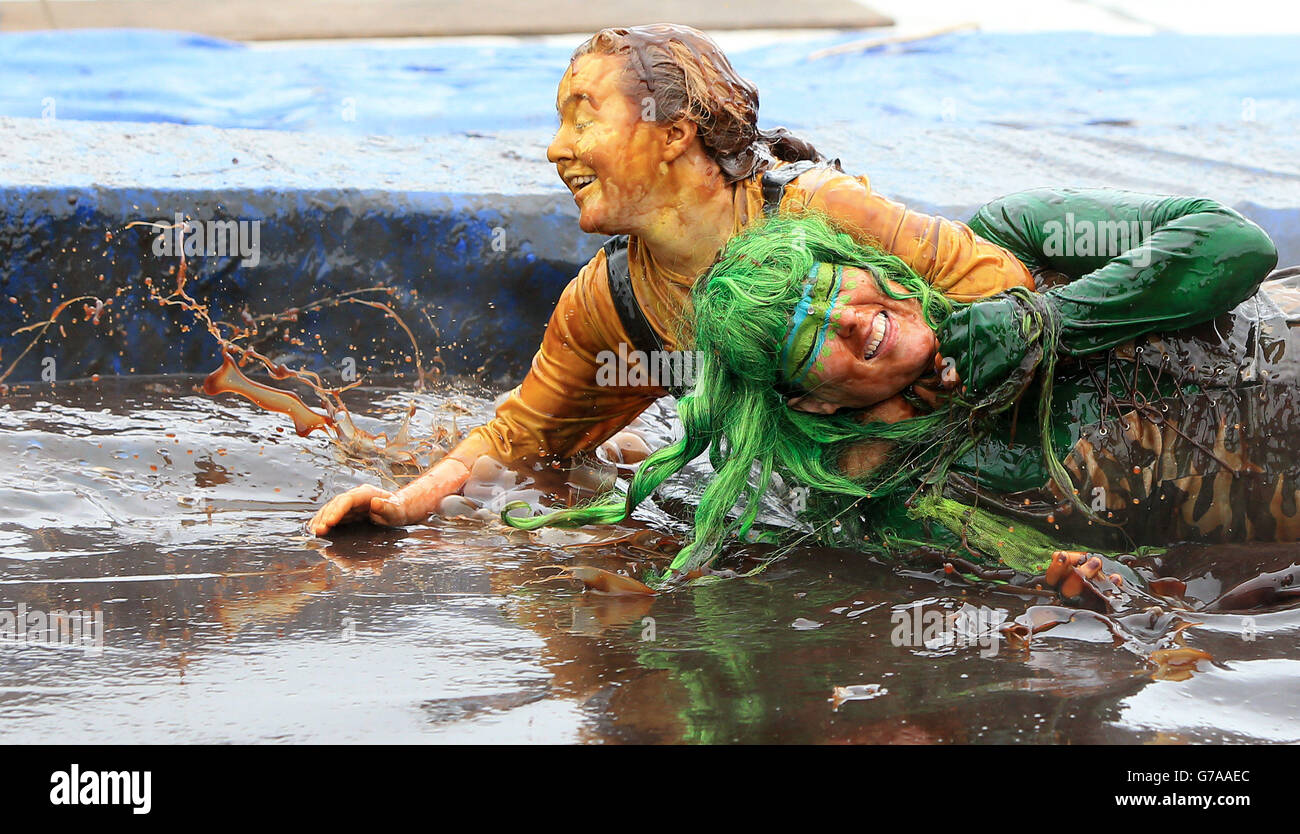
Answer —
560 409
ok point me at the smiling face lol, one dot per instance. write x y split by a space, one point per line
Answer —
876 347
611 159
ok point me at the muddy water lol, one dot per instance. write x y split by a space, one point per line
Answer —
180 518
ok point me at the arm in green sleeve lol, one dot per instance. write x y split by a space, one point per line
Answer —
1140 263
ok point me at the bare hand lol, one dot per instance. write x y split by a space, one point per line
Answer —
934 388
363 503
862 458
411 504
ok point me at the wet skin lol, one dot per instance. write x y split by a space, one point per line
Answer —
651 180
862 369
655 181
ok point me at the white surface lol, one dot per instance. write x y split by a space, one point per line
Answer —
1188 17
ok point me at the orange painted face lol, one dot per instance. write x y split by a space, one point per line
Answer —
876 347
608 150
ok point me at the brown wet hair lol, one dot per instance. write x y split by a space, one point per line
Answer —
688 77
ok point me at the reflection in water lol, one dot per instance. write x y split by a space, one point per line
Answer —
1241 699
181 519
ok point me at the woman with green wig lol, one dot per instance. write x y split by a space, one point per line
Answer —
1150 359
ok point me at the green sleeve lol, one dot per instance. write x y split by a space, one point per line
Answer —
1139 263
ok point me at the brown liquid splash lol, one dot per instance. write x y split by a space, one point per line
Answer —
229 379
356 445
93 315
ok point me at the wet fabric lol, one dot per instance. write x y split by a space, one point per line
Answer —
1189 436
1139 264
564 407
1173 397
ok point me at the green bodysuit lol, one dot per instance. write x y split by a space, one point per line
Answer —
1174 389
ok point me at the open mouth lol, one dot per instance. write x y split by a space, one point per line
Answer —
879 330
579 183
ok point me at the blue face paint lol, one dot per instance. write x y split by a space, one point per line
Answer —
810 323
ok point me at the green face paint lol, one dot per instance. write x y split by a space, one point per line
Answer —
811 323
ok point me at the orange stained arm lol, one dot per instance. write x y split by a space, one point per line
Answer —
944 252
562 408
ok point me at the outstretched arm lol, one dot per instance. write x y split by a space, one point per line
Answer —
562 408
945 252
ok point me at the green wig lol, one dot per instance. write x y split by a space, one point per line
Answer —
737 409
760 317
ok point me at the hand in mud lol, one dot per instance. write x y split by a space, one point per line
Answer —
363 503
626 447
411 504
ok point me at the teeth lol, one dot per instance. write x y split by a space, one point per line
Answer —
580 182
878 327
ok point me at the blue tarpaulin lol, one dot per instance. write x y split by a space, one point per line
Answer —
415 88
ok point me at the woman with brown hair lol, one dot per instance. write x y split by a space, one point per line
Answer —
659 143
